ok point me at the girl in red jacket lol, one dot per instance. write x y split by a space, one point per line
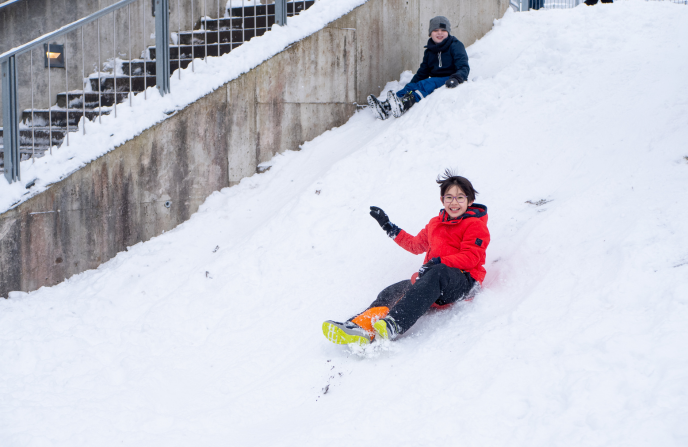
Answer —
454 244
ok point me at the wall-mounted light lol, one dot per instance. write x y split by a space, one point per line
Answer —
54 55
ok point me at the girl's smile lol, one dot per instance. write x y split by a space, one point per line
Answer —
455 202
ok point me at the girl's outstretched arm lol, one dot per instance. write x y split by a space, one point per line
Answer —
415 244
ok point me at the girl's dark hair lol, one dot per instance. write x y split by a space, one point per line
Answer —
449 179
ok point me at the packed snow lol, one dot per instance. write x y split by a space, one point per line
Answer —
573 128
149 108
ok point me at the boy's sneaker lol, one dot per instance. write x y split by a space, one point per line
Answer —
345 333
381 109
399 105
386 328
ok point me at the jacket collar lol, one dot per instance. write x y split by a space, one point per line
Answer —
442 46
476 210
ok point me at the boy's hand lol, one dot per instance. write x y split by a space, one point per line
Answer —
453 81
382 218
428 265
379 215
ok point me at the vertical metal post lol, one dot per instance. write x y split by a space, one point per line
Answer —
162 46
205 33
100 81
524 5
179 38
66 64
231 26
146 53
131 58
10 119
281 12
50 109
193 37
219 53
84 80
114 60
33 126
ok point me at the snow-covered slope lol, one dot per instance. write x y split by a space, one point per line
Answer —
573 128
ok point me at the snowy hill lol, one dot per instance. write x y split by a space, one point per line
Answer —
574 129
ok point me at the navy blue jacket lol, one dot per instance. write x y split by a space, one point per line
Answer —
445 59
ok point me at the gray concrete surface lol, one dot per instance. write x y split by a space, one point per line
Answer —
119 199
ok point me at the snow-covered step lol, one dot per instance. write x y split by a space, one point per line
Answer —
198 51
76 98
139 65
258 10
25 153
237 23
58 117
107 83
35 151
235 36
38 136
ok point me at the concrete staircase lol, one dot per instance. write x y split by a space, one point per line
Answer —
41 128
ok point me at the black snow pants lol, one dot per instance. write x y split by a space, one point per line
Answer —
408 302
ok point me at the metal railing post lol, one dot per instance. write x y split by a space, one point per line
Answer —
280 12
10 118
162 46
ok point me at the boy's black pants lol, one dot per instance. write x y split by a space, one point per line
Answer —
408 302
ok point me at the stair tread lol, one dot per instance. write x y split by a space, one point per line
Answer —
71 109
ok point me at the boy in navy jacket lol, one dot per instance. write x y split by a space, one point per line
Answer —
445 62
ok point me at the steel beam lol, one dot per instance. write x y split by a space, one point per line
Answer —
280 12
162 46
10 119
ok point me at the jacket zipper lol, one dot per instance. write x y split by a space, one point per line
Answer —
440 56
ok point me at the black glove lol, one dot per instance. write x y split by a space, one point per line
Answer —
454 80
382 218
428 265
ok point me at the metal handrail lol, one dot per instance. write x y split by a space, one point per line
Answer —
8 65
9 3
64 30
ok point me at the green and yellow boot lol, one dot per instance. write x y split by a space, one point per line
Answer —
386 328
345 333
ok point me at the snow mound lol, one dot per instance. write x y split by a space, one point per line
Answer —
573 129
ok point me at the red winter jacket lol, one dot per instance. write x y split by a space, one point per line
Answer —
460 243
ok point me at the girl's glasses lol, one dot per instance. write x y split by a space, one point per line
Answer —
450 199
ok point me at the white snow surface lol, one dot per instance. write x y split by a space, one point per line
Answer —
210 334
150 108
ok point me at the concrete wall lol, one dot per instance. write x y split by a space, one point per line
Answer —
119 199
25 20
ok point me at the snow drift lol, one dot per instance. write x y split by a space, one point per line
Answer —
572 128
